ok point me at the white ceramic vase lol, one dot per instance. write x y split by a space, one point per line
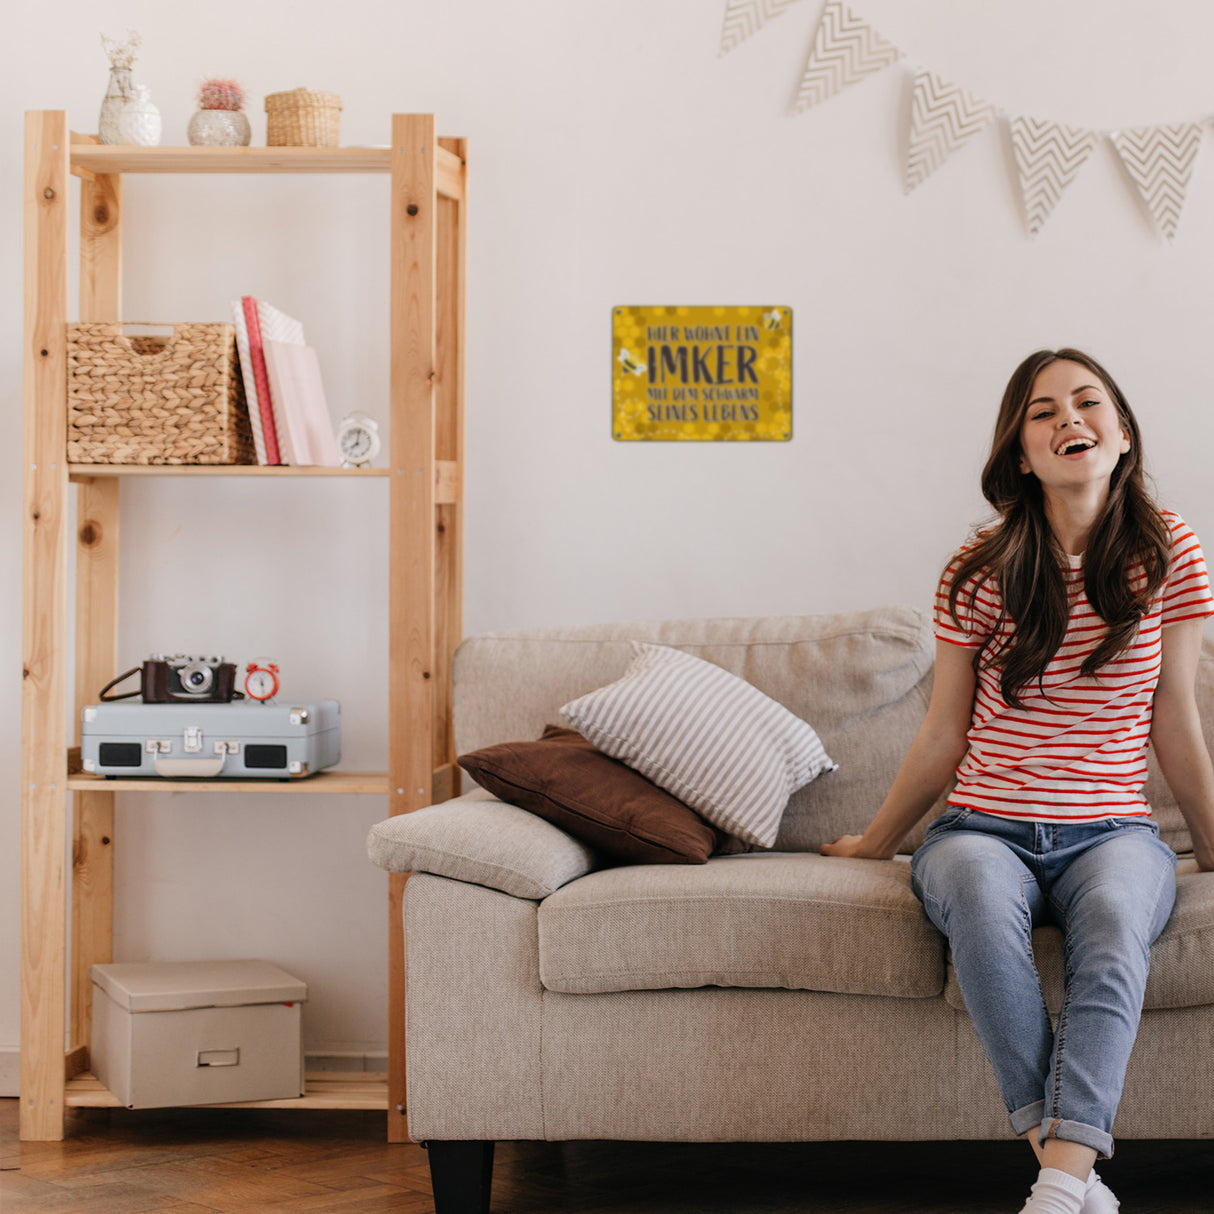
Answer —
219 128
139 122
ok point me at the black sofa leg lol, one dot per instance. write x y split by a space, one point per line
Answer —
461 1174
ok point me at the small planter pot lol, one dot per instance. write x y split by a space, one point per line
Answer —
219 128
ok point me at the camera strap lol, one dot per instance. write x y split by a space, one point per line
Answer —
126 695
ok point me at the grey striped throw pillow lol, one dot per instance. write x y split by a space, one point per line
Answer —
706 736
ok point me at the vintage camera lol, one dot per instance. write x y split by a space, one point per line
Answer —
182 677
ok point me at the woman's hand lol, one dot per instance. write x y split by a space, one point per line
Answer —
848 846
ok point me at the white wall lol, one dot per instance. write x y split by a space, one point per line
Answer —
616 160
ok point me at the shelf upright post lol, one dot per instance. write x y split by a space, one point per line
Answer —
452 244
413 227
96 623
44 613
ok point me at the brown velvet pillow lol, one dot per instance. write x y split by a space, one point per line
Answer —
599 800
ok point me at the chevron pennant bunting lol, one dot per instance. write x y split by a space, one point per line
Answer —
746 17
944 117
846 49
1048 157
1160 160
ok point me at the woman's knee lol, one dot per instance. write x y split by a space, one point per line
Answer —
972 875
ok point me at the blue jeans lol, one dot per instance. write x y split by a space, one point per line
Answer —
986 882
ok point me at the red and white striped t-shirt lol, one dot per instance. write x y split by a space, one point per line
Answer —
1078 752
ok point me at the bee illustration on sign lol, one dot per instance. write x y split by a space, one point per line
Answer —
702 374
630 364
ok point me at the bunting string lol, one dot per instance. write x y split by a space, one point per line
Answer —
945 117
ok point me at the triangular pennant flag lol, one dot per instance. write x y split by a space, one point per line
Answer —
746 17
846 49
943 118
1160 160
1049 156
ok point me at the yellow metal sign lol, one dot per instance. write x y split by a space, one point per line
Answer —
705 374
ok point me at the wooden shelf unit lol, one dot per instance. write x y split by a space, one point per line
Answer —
426 229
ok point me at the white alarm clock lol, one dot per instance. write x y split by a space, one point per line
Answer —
261 681
357 440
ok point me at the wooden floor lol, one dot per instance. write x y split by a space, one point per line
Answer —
196 1161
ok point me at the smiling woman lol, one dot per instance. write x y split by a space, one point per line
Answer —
1067 636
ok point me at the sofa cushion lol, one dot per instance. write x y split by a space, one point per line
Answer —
479 839
598 799
706 736
799 922
1182 959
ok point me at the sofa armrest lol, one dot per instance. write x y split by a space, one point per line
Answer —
483 841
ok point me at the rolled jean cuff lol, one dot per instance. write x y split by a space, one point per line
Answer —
1075 1131
1029 1117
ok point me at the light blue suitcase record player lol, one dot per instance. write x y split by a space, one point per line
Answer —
240 739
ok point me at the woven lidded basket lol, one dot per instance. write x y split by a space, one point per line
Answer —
156 400
302 119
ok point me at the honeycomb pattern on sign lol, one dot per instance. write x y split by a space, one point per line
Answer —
706 374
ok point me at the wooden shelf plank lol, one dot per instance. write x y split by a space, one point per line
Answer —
79 472
324 1090
447 473
96 158
331 782
124 158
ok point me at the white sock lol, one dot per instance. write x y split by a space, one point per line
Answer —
1098 1197
1056 1192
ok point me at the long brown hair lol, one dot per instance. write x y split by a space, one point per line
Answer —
1022 555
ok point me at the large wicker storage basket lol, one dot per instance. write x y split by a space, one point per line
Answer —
156 400
302 119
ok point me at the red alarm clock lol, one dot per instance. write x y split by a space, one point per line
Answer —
261 680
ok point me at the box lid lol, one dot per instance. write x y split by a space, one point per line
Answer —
173 986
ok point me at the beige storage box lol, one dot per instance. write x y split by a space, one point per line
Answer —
197 1032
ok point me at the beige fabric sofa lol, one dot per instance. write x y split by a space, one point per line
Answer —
767 997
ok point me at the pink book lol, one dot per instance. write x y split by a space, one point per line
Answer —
305 429
257 360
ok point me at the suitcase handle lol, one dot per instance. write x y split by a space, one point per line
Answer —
189 767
